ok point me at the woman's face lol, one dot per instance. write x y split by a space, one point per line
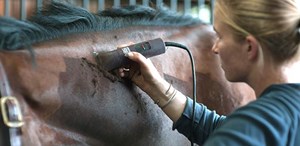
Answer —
232 52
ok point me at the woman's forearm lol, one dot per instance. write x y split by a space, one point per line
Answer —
168 98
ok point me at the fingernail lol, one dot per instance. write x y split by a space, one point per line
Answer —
129 54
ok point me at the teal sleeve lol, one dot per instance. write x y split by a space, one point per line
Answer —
205 122
273 120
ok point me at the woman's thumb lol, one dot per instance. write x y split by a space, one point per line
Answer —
137 57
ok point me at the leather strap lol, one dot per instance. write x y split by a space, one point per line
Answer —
11 119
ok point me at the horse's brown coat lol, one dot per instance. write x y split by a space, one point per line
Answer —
67 100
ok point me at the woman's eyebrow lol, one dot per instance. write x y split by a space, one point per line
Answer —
215 29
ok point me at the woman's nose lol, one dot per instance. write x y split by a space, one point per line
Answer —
215 48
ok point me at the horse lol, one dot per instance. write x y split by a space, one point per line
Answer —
67 98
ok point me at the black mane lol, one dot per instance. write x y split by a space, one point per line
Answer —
58 19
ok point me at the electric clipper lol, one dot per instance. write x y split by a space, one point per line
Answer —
117 58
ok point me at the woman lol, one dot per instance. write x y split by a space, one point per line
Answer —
258 43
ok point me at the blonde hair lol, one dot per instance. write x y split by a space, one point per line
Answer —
275 23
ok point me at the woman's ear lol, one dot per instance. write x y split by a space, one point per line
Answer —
252 47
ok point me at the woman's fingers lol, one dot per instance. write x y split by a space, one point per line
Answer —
121 72
140 70
139 58
130 72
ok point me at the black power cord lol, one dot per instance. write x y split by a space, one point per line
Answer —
194 84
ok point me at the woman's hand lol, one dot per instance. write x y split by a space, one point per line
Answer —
143 73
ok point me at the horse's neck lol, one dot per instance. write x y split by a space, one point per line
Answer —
65 54
66 84
83 44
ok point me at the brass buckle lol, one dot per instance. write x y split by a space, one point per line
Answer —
16 108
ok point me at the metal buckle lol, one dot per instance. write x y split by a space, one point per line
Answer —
16 111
